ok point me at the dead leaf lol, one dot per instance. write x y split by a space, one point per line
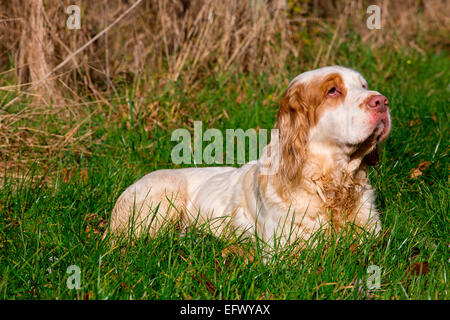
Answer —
424 165
433 117
84 175
68 173
241 97
418 268
417 172
266 296
414 122
95 224
209 285
354 248
238 251
226 114
319 270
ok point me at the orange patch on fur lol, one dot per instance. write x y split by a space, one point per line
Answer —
363 104
332 80
300 110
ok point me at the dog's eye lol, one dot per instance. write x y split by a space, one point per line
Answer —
333 91
364 86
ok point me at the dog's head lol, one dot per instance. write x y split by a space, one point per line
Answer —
330 108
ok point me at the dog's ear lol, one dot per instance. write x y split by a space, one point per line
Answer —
293 127
373 158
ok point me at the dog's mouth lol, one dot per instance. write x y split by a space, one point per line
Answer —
383 128
368 149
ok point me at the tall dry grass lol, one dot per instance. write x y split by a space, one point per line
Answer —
161 41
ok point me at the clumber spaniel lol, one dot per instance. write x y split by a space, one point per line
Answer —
329 125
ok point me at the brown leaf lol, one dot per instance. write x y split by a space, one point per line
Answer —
423 165
417 172
224 265
433 116
209 285
68 173
102 225
91 217
88 230
266 296
414 122
226 114
354 248
96 224
238 251
84 175
241 97
319 270
418 268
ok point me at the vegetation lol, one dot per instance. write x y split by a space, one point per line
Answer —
66 156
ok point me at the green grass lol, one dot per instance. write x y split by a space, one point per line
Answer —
46 227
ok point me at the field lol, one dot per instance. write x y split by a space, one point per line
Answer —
64 166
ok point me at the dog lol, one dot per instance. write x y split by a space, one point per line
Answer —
329 126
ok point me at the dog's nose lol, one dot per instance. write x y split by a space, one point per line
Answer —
379 102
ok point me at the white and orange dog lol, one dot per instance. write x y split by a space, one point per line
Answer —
329 125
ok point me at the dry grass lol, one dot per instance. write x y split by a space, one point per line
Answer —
161 41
